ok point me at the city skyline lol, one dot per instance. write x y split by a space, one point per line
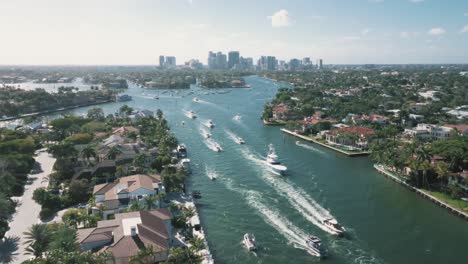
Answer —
53 32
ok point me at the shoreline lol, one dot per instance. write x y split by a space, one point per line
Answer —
308 139
54 110
422 193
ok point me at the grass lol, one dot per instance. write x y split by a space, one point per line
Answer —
456 203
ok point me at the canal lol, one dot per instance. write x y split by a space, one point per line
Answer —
386 223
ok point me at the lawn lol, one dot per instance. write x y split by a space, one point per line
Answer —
458 204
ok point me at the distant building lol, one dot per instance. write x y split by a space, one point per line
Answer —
161 61
430 132
319 64
233 59
170 61
355 136
306 61
294 64
217 61
246 64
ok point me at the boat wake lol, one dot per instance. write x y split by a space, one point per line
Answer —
213 105
309 147
204 132
271 216
213 145
232 136
296 196
211 173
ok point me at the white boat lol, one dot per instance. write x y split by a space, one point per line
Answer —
181 151
239 140
209 123
196 99
315 247
272 161
249 242
191 114
237 117
333 226
212 177
156 97
183 123
218 148
205 133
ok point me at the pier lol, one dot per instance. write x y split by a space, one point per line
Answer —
309 139
424 194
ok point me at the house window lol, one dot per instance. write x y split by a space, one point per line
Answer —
139 197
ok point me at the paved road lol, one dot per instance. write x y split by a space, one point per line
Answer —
27 213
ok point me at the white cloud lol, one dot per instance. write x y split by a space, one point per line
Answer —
436 31
464 29
366 31
280 18
408 34
416 1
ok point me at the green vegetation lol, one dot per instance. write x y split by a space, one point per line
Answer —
16 161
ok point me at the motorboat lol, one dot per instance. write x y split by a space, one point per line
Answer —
191 114
156 97
272 161
237 117
205 133
209 123
240 141
212 177
249 242
333 226
315 247
196 99
183 123
185 163
181 150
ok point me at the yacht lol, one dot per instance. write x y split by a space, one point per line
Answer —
196 99
191 114
315 247
209 123
181 151
249 242
272 161
240 141
333 226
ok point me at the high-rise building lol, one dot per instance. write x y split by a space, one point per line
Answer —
161 61
294 64
319 64
271 63
221 61
170 61
306 61
246 64
233 59
211 60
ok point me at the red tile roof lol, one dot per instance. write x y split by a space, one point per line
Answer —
461 128
280 109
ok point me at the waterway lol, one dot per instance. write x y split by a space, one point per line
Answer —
386 223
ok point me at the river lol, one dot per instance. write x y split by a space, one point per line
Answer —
386 223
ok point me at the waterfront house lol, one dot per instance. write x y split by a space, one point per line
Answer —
430 132
461 129
139 114
113 198
128 233
354 136
125 130
281 112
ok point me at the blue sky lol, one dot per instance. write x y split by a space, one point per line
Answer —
137 31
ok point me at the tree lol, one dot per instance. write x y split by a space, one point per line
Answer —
64 238
150 202
197 243
139 161
125 110
145 256
78 190
88 152
183 256
96 113
72 217
38 238
113 153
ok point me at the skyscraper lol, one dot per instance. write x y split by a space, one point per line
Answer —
294 64
161 61
170 61
221 61
306 61
319 64
233 59
271 63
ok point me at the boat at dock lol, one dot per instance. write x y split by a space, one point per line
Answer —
273 163
249 242
181 151
332 225
315 247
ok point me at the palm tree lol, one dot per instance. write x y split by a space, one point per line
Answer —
197 243
38 238
188 212
150 202
113 153
442 171
144 256
139 161
64 238
88 152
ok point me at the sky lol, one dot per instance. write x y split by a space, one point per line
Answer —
107 32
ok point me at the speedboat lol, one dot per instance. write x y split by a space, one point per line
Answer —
156 97
209 123
191 114
272 161
240 141
213 178
249 242
237 117
315 247
181 151
196 99
217 147
333 226
205 133
183 122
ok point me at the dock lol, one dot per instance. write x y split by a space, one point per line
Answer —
309 139
428 196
